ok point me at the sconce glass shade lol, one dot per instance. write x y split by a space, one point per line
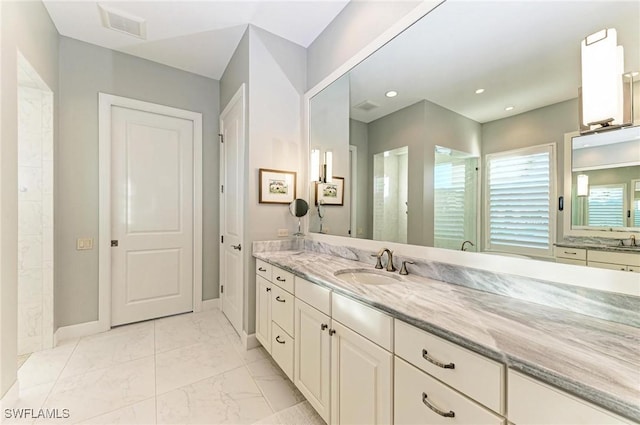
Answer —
314 170
602 68
583 185
328 167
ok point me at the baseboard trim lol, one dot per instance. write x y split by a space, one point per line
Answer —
249 341
65 333
213 304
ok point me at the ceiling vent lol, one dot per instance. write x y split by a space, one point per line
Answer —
123 22
366 106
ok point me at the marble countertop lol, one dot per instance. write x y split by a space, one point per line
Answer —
591 358
600 247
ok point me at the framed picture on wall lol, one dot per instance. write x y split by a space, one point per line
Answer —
277 186
331 193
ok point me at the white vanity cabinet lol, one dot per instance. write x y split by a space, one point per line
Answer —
312 358
627 262
575 256
275 314
345 376
533 403
437 381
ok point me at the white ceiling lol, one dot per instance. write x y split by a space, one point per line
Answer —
195 36
523 53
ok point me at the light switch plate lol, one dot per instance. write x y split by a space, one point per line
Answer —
83 244
283 233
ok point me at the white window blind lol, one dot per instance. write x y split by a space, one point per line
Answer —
520 192
606 205
449 201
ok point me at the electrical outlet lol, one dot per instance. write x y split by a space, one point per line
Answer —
83 244
282 233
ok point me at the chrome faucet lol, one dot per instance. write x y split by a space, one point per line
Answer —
390 266
464 245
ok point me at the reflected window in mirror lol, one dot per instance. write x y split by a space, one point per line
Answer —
390 195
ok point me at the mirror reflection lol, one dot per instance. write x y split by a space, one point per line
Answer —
471 84
605 172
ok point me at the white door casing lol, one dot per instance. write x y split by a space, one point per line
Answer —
232 129
159 244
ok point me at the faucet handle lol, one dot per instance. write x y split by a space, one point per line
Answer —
403 269
379 262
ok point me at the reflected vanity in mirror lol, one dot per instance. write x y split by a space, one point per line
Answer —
467 80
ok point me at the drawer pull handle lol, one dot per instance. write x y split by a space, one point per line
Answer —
449 414
268 289
425 356
278 340
262 269
572 253
323 326
332 331
280 300
279 279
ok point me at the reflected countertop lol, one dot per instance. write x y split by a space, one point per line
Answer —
594 359
599 247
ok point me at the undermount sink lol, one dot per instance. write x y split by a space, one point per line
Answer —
366 277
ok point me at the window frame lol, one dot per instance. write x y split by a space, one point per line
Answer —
549 148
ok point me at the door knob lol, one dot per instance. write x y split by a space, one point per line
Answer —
238 247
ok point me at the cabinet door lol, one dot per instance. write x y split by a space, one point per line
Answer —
263 312
312 356
361 379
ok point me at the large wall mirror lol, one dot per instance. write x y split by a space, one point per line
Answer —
409 128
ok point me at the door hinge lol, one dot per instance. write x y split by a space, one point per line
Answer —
221 136
221 239
221 188
222 289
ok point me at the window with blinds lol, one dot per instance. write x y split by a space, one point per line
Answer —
606 205
520 194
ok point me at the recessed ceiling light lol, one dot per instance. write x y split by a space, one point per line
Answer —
479 91
391 93
509 108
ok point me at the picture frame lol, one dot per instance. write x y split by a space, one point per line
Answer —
277 186
331 193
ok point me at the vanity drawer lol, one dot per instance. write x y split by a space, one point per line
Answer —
282 309
283 279
629 259
476 376
263 269
571 253
415 391
314 295
282 349
368 322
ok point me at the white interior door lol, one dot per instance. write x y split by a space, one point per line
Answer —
231 209
151 215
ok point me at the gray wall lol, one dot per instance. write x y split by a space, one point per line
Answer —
25 26
421 127
359 136
357 25
85 70
537 127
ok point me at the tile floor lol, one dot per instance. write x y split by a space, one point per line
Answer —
186 369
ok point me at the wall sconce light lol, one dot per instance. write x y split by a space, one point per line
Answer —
315 174
322 173
605 98
583 185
